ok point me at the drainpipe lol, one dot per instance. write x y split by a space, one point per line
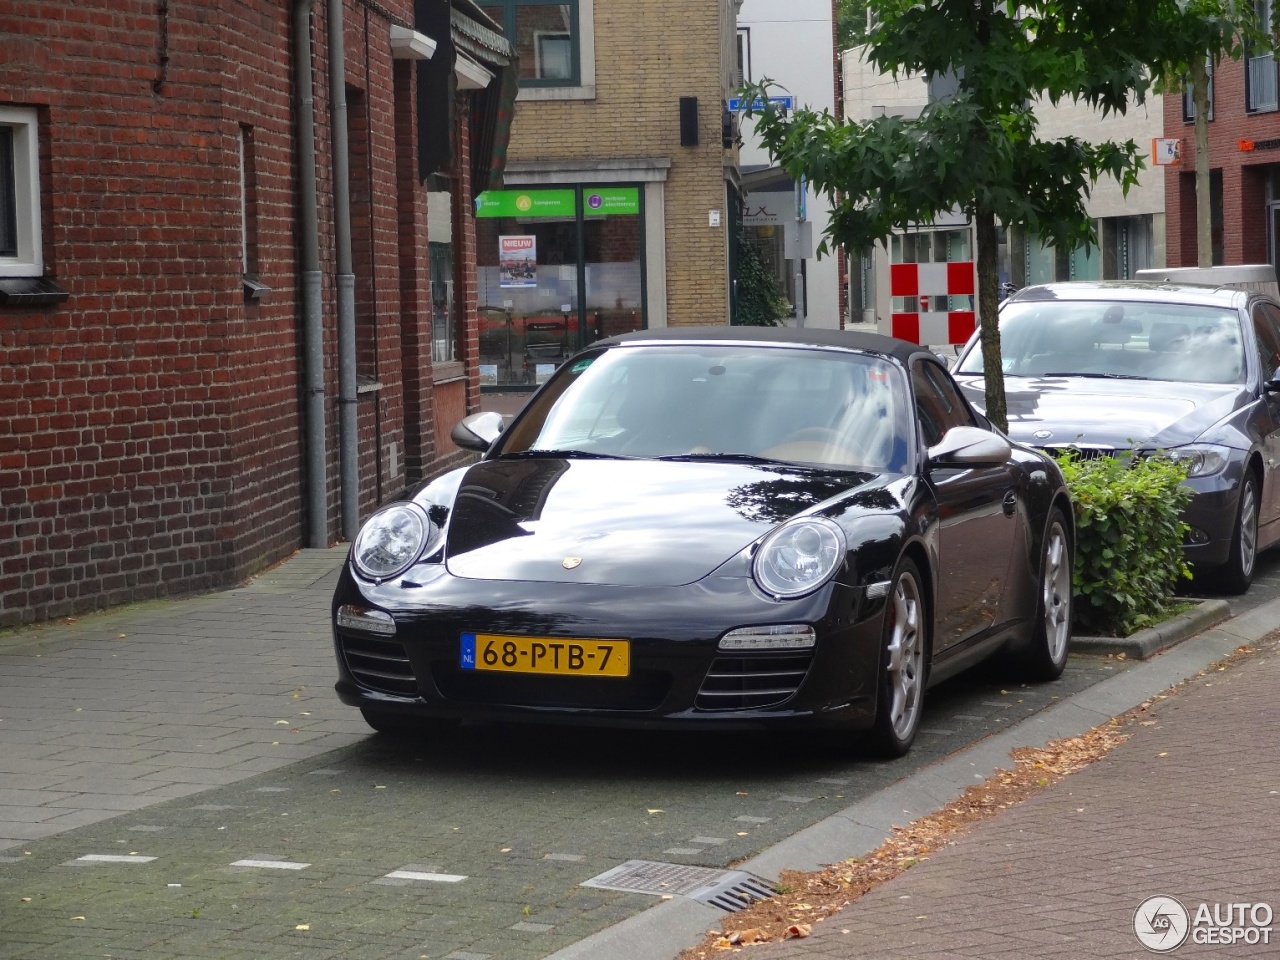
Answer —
349 444
312 317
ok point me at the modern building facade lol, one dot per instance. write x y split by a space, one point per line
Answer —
621 183
792 44
1244 163
922 284
237 283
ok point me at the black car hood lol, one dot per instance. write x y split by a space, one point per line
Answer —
632 522
1055 411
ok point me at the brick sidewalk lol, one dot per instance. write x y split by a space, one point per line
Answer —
123 709
1186 808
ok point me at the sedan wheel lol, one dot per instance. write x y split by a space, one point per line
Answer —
1051 637
903 667
1238 572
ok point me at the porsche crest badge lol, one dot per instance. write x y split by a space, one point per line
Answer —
570 562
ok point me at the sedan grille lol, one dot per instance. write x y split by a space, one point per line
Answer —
380 665
745 683
1081 451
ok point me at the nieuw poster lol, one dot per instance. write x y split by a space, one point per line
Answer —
518 261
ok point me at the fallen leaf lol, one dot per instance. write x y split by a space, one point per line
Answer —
303 926
1162 754
651 812
282 723
797 931
742 833
667 896
77 918
742 793
505 850
26 899
527 910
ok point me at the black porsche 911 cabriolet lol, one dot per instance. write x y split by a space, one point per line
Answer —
713 527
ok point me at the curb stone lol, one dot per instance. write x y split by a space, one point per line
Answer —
661 932
1151 640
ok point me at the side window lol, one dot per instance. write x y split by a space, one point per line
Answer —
1266 330
939 405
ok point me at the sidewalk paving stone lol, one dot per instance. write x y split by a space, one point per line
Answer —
1186 808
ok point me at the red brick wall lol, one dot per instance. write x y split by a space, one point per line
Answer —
1244 219
151 437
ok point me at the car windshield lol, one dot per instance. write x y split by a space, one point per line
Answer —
1121 339
721 402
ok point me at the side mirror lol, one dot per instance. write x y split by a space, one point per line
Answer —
477 431
1272 385
970 447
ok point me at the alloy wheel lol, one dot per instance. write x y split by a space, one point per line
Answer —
1248 528
906 656
1057 593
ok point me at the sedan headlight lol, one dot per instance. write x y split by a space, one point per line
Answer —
799 557
1199 459
390 541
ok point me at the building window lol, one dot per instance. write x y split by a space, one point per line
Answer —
1188 102
1260 69
743 75
546 38
20 250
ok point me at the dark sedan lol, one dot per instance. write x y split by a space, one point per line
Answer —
1137 368
713 527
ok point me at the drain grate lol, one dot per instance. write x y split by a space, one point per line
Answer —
729 890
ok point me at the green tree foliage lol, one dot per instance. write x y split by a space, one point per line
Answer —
978 151
760 299
851 22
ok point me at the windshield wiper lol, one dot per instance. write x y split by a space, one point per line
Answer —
1095 376
568 454
725 457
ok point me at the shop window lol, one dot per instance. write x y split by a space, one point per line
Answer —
556 269
20 243
547 38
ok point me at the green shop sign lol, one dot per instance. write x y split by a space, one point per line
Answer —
610 201
531 204
526 204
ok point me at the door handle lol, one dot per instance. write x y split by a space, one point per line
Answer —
1010 503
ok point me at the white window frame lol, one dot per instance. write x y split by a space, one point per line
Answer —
586 89
26 175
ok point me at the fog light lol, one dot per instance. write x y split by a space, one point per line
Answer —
1195 535
785 636
370 621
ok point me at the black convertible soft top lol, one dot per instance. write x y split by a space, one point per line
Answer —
900 350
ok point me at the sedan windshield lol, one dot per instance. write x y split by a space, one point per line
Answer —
1118 339
721 402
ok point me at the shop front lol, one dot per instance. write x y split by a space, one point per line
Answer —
557 269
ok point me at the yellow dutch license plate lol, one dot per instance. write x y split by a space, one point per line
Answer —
554 655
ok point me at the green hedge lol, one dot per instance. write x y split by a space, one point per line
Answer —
1129 534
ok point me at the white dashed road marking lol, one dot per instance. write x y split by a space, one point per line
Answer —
271 864
112 858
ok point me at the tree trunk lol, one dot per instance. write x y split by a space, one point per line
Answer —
1204 208
988 317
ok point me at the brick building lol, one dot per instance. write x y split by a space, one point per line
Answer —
1244 161
179 286
621 195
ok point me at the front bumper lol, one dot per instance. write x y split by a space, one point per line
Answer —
1211 514
678 677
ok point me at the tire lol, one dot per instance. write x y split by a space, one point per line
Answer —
904 665
1236 574
1046 657
405 726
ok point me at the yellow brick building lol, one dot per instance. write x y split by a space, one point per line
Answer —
620 192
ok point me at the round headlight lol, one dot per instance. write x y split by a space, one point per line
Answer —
390 541
799 557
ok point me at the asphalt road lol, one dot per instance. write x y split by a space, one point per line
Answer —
469 848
